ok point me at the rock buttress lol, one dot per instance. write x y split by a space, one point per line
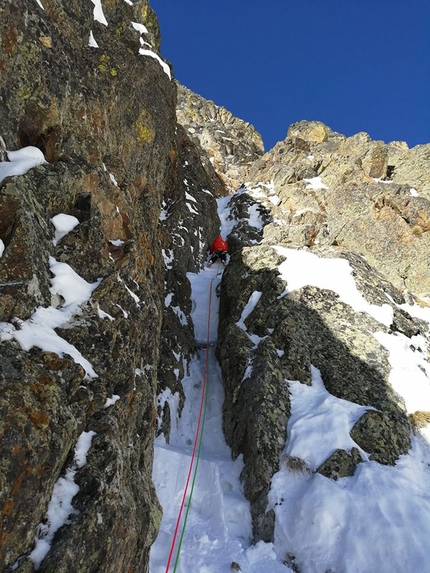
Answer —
105 119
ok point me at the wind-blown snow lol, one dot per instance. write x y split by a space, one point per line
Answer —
315 183
111 401
130 292
191 209
164 212
320 423
263 191
39 330
92 42
410 372
67 283
140 27
249 307
376 520
180 314
254 219
151 54
254 338
227 220
98 12
168 257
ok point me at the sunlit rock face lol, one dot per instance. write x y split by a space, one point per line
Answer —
230 144
354 193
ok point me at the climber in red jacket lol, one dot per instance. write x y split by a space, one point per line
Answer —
218 250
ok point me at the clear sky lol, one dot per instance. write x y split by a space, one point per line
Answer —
356 65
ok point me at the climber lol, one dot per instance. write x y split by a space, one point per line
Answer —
218 250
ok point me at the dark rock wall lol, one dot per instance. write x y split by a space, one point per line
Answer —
188 225
309 327
105 119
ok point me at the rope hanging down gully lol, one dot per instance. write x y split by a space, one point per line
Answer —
195 456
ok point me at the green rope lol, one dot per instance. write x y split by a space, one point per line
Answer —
192 483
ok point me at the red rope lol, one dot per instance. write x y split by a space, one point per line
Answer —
196 439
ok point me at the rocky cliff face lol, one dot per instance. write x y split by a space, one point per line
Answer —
104 117
97 100
230 144
371 198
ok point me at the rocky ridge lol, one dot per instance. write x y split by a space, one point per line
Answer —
230 144
341 191
143 188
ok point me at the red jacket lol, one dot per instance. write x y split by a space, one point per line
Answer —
219 245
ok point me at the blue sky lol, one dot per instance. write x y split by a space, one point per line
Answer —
356 65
